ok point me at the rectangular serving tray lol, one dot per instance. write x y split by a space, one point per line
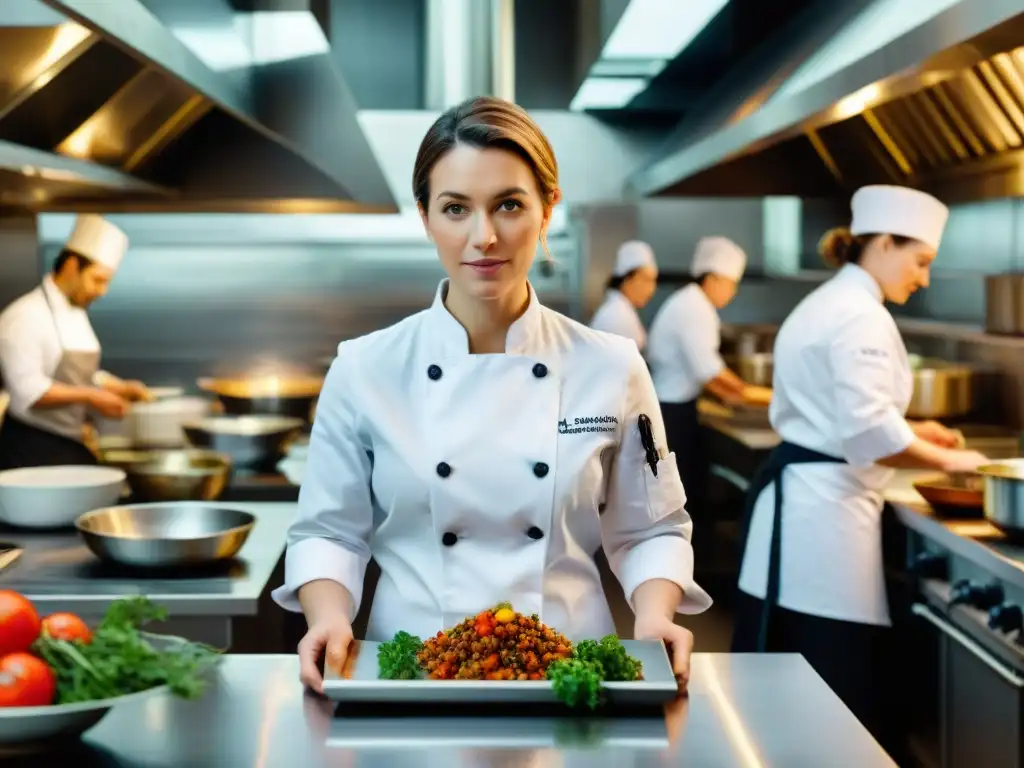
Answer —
359 683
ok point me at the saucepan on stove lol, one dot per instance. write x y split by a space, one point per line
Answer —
959 494
292 396
1004 495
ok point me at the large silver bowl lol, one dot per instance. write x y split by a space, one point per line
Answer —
36 727
172 475
248 440
168 534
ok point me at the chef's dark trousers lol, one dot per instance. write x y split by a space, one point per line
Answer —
684 435
856 660
24 445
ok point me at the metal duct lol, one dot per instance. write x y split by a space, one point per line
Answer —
104 107
940 108
470 51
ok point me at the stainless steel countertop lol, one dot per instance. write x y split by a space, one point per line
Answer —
58 573
743 710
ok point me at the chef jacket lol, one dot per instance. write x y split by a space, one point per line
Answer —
33 338
682 348
842 384
477 479
618 315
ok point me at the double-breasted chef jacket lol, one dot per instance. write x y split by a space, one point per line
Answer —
842 385
476 479
618 315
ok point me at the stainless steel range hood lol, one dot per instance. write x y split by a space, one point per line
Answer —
939 108
103 107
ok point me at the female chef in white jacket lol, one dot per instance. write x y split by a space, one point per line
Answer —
483 449
842 384
632 283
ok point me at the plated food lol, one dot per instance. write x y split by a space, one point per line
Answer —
502 645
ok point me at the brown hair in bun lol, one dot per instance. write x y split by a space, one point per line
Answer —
838 246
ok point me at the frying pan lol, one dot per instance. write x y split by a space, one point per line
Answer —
958 495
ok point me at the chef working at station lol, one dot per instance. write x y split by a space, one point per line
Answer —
466 448
812 560
632 283
683 353
49 355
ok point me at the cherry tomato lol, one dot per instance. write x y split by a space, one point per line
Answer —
66 626
25 681
19 623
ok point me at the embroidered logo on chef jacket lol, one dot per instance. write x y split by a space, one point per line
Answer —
583 424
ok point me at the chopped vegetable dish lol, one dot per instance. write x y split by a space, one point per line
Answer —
500 644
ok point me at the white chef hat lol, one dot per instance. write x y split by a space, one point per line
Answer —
633 254
719 256
883 209
98 240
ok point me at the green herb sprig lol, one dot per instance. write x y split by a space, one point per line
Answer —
122 659
577 681
396 660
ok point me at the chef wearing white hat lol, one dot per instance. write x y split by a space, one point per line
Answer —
49 355
812 560
683 355
631 285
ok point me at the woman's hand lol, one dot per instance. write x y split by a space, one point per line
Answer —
964 461
679 641
332 633
936 434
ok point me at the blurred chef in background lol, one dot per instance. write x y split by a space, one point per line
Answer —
812 560
631 285
49 355
683 354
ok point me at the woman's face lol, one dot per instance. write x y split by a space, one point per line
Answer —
902 269
720 290
486 216
640 286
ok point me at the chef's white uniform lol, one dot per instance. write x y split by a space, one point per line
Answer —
683 347
617 315
812 578
475 479
44 339
842 384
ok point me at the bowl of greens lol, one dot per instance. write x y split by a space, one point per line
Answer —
59 678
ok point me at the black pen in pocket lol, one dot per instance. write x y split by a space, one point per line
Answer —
647 441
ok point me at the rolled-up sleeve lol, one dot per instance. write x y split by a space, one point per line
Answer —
645 529
330 537
22 360
864 358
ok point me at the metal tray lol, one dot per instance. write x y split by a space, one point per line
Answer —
359 682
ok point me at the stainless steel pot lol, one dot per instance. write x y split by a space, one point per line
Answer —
756 368
179 475
165 535
248 440
941 390
1004 495
293 396
1004 303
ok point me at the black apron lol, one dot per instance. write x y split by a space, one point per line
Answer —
772 471
683 435
52 441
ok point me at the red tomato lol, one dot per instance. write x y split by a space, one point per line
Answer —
19 623
66 626
25 681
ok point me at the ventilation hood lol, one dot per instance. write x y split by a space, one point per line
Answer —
940 108
103 107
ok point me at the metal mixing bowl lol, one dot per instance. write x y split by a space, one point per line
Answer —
175 475
248 440
165 534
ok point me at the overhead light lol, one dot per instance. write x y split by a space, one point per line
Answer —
628 68
659 29
607 92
